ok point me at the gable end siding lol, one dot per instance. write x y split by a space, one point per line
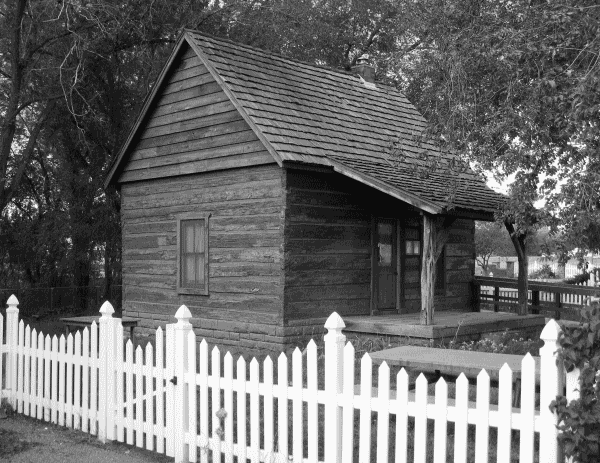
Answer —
192 127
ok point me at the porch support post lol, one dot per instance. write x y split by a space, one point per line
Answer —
436 230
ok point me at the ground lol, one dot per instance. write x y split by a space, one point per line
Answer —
25 440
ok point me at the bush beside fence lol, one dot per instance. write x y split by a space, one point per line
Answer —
175 398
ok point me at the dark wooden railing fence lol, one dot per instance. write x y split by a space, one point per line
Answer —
543 296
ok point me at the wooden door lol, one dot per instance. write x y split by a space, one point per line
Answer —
385 264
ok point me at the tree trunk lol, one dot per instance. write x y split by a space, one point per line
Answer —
518 240
436 231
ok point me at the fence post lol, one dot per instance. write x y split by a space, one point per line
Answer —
181 400
496 298
12 338
551 385
535 302
106 372
334 372
475 296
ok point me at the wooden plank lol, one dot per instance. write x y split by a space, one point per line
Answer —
296 310
352 246
328 277
175 132
204 106
241 409
160 392
303 262
186 89
482 426
330 232
196 80
232 144
193 140
366 384
282 405
254 412
227 162
129 391
186 100
461 424
149 402
441 421
383 414
215 395
267 173
297 406
421 419
331 292
203 398
194 198
402 416
192 68
311 401
139 394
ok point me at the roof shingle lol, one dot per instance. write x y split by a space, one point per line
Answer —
321 116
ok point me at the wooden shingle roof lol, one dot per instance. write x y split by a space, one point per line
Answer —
309 114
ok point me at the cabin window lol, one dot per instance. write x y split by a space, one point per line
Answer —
412 242
193 255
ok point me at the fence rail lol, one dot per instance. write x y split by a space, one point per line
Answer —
502 294
178 398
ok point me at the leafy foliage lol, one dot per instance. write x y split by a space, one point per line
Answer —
491 239
544 272
513 86
578 279
506 343
580 419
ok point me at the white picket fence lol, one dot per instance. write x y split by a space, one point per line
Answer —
165 399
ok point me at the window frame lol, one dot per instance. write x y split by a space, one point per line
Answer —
199 290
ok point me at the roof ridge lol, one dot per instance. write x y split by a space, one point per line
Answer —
337 71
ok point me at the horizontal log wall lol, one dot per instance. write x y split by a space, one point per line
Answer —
460 267
327 247
328 250
245 301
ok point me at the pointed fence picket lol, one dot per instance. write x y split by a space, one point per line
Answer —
173 398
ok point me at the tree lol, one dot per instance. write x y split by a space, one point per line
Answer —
513 87
72 77
491 239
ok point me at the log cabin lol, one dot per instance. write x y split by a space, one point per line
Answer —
265 193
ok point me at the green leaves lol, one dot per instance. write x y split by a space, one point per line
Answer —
580 419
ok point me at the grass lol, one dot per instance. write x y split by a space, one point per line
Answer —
11 442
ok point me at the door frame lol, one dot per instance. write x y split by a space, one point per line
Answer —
399 265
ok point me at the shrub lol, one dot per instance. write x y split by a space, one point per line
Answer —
578 279
544 272
506 343
580 420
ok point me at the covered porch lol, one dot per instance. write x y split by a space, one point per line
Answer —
448 325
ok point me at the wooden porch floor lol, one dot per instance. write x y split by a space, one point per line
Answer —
448 324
